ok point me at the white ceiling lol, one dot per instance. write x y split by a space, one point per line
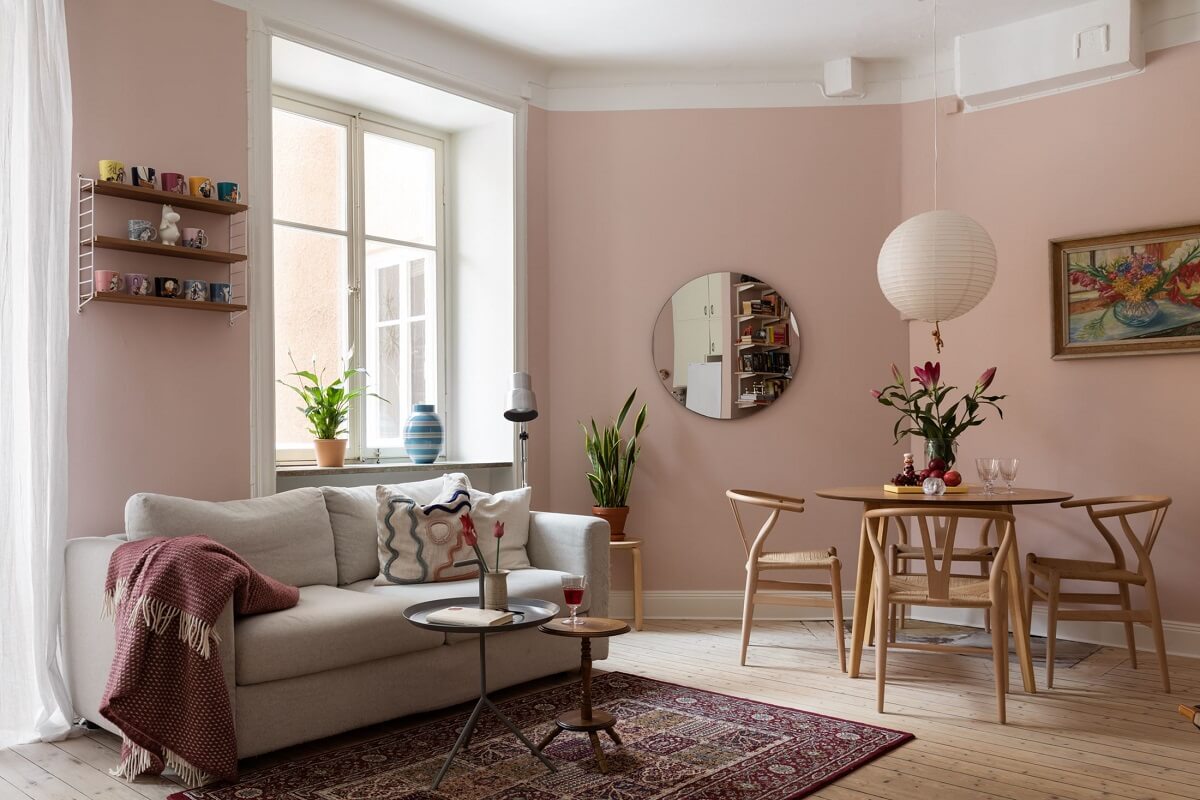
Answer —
716 34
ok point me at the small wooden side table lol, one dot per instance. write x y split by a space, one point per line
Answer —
585 720
634 546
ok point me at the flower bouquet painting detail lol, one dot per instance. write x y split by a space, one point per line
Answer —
1134 293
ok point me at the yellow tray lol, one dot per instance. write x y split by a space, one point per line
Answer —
894 489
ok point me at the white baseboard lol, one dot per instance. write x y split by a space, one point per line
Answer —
1183 638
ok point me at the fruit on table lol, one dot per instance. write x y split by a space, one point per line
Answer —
952 478
936 463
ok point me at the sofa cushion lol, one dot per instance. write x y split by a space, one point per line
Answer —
286 536
352 515
511 508
327 629
421 543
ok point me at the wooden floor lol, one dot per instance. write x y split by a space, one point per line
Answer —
1104 731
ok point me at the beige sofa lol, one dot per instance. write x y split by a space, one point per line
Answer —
345 656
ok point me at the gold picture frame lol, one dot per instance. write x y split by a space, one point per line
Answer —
1126 294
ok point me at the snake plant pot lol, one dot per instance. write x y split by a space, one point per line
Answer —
615 517
330 452
423 434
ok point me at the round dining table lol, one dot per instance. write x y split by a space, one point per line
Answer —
876 497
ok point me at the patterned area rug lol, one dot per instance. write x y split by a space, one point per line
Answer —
679 743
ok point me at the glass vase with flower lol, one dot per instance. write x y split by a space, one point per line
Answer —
926 412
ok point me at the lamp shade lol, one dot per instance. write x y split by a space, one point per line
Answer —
522 403
937 266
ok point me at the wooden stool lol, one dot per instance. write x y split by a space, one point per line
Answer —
634 546
585 720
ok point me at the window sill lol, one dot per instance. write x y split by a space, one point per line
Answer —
312 470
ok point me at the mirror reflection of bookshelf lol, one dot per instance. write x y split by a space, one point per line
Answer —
763 348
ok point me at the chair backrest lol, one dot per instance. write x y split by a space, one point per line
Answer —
1123 507
937 530
777 503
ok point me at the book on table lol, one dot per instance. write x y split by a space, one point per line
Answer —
473 617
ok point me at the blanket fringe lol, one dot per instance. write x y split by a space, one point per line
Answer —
159 616
139 760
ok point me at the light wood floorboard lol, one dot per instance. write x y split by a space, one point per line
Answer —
1105 731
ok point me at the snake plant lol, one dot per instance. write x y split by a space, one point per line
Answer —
613 459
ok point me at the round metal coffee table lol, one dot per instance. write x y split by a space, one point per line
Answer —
585 720
527 612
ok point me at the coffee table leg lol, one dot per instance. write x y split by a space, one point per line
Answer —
612 734
462 738
512 726
550 737
595 737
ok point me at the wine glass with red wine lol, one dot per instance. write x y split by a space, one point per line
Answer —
573 586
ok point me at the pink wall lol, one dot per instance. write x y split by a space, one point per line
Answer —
159 398
1113 157
640 203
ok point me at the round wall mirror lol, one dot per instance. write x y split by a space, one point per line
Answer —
725 345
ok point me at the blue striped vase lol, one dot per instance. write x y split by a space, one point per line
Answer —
423 434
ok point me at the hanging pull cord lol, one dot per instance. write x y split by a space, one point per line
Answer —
937 336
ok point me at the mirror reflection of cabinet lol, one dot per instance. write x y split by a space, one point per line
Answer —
724 345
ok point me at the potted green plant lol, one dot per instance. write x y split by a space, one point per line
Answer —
613 460
327 407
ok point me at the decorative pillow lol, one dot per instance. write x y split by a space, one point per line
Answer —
420 543
511 508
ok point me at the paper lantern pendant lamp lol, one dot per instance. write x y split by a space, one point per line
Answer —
937 266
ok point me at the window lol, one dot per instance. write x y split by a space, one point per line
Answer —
358 269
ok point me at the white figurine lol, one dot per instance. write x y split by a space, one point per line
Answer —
168 230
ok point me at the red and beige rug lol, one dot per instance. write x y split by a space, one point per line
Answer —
679 744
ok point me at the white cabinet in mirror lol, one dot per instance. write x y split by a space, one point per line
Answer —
725 345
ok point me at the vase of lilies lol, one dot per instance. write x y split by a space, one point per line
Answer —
926 411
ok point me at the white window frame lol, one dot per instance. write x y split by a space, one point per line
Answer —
357 123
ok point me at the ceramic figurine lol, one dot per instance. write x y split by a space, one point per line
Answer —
168 229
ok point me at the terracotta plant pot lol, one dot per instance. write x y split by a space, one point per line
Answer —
330 452
615 517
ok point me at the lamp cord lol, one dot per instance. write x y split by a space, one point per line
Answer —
935 110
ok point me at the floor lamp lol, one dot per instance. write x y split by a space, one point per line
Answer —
522 408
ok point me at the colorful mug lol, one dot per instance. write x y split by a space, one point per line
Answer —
142 230
111 170
174 182
227 191
220 292
195 237
108 281
166 287
202 187
139 284
196 291
143 176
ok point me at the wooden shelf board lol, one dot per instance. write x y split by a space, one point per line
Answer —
158 249
745 287
764 374
744 317
166 302
744 345
131 192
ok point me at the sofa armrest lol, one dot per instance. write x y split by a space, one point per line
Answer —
87 638
573 543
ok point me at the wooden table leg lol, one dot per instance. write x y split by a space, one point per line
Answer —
1019 624
862 596
637 587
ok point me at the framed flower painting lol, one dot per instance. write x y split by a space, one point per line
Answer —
1127 294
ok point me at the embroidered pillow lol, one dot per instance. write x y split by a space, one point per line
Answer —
420 543
511 508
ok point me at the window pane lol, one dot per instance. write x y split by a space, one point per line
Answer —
400 192
310 310
400 344
309 164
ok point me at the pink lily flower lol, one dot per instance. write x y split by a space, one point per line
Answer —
985 380
876 393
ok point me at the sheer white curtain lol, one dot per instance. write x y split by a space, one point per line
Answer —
35 302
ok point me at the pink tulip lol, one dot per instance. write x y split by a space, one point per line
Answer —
498 529
985 380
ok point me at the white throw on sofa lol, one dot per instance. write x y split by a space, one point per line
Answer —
344 656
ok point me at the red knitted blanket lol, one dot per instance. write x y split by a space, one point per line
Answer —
166 690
